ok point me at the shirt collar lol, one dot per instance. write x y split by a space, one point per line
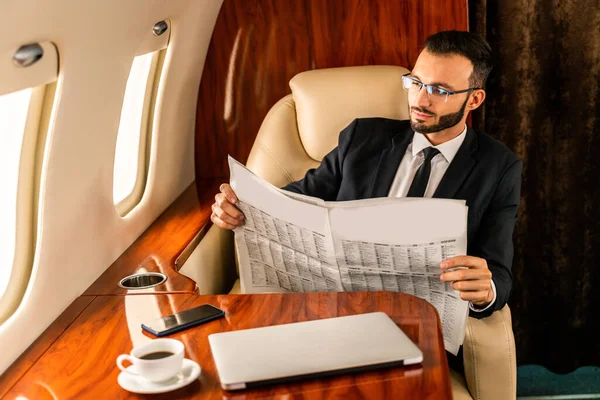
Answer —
448 149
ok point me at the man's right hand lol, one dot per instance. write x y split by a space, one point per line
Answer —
224 213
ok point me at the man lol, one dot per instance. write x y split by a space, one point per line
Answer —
434 154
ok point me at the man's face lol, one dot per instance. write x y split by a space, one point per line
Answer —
429 114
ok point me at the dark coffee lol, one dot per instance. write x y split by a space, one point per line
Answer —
156 355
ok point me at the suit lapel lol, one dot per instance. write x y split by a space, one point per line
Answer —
459 169
388 163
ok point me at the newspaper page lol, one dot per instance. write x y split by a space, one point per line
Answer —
398 246
295 243
284 245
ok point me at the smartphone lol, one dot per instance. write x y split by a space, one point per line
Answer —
183 320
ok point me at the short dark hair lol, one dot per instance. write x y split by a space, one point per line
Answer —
467 44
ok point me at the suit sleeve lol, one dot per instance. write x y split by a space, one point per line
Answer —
495 237
324 182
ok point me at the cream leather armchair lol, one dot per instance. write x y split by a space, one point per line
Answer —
296 134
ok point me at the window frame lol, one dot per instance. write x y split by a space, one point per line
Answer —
31 161
133 199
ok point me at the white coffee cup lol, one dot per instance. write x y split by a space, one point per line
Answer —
157 369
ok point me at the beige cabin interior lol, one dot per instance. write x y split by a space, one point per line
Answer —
270 82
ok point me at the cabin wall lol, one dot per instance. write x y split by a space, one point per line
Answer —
259 45
79 232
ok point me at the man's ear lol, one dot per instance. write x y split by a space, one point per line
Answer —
477 98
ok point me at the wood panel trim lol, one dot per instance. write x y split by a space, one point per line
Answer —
37 349
157 249
258 45
187 251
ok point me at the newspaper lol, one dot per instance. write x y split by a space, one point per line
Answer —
295 243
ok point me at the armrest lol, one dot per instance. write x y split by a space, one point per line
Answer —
212 264
490 357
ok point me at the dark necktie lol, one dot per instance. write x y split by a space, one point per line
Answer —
419 183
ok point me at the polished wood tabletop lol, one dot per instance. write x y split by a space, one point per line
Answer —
81 362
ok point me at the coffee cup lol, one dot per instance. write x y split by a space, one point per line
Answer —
156 361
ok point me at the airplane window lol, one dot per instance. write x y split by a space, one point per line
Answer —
129 168
14 108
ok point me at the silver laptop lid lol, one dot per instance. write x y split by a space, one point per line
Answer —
270 354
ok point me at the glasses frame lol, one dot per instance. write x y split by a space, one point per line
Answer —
429 88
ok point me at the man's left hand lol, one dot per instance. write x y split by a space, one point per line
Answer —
474 283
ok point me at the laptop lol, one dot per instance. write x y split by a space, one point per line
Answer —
283 353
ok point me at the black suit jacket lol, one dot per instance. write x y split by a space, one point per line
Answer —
484 172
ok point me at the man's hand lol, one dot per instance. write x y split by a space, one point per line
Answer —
474 283
224 214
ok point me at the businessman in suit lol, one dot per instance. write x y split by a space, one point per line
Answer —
433 154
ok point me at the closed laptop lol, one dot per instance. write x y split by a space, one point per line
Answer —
281 353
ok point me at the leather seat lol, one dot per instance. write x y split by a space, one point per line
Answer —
296 134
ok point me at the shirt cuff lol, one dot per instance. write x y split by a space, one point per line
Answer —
472 306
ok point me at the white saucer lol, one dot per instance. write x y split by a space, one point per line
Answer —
190 371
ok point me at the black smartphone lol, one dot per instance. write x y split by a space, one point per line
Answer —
183 320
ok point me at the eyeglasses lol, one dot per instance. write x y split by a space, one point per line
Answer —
435 93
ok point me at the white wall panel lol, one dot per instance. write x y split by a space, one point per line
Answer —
79 231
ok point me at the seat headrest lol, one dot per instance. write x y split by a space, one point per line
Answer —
327 100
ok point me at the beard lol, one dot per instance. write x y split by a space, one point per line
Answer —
446 121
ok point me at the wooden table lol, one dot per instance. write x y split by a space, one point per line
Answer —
80 364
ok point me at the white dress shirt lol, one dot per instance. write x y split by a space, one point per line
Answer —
412 160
